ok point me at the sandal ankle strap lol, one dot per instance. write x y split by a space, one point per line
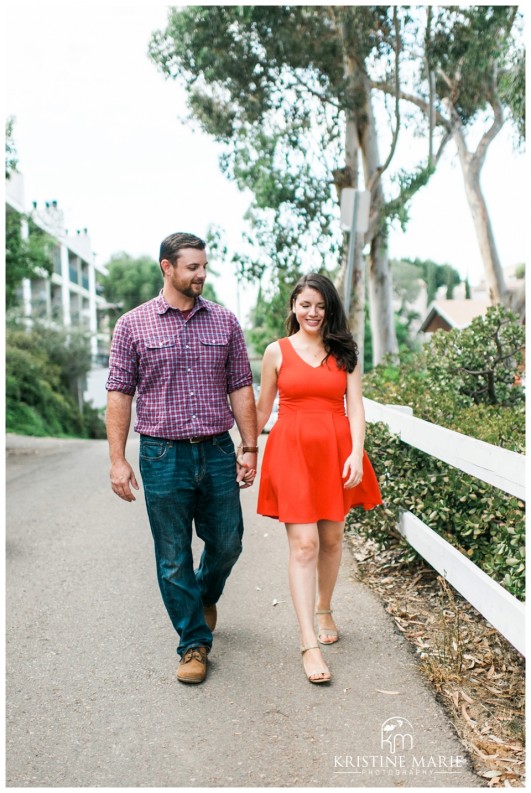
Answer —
312 647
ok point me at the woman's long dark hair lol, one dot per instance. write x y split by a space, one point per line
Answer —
335 331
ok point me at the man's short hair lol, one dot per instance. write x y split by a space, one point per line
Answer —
171 245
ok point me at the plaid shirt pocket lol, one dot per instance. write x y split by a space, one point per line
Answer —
213 351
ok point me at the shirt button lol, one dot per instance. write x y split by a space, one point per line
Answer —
191 393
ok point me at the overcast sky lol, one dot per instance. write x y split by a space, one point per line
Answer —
100 130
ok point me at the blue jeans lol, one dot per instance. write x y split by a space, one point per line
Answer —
185 482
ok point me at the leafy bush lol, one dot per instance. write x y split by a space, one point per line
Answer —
481 361
483 522
42 367
25 258
436 382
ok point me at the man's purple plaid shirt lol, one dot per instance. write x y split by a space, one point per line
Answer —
180 369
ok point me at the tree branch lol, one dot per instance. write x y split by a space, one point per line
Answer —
495 363
312 91
380 170
446 137
487 138
422 104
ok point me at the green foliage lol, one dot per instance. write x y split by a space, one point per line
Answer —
11 158
468 50
437 384
435 275
268 316
268 82
25 258
42 367
480 362
130 282
409 183
411 384
512 92
483 522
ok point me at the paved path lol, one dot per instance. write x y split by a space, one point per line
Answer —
92 698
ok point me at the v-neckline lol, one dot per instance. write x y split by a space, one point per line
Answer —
302 359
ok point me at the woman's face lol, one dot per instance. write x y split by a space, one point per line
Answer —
309 309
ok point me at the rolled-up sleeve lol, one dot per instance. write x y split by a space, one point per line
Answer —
239 372
123 361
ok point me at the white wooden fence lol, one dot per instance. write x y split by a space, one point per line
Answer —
499 467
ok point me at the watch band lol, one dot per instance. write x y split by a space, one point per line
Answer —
252 449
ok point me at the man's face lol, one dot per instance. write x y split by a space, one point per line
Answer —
188 274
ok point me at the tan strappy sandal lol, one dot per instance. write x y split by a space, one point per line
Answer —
316 671
326 632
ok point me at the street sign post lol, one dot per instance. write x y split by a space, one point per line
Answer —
355 206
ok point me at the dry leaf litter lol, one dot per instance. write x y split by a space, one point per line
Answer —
476 673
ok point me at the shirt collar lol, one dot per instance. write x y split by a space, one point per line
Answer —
163 306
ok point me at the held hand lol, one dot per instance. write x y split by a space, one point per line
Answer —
246 469
353 471
121 476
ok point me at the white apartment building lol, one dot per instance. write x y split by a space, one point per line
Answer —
71 295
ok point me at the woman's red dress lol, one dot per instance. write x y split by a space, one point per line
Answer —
301 479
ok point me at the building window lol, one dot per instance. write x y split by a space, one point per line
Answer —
85 275
75 312
73 267
39 298
55 255
57 303
85 313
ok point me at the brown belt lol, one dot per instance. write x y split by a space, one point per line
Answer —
200 438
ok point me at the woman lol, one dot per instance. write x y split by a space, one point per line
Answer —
314 468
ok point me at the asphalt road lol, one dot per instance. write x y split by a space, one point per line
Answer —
92 698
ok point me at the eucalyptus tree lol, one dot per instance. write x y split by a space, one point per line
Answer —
287 90
469 73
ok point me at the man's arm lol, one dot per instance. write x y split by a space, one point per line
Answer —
244 411
118 420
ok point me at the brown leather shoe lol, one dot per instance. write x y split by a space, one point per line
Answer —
211 616
193 666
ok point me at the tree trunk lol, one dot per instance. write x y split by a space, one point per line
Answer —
356 307
379 277
361 135
482 225
349 177
380 301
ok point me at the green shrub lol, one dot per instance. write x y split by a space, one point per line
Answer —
481 361
42 367
25 420
483 522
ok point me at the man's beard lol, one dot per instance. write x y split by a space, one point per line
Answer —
191 292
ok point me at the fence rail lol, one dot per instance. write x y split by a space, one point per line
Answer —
499 467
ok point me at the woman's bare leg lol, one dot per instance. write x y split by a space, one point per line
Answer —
328 562
303 542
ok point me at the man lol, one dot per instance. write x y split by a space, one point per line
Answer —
182 355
